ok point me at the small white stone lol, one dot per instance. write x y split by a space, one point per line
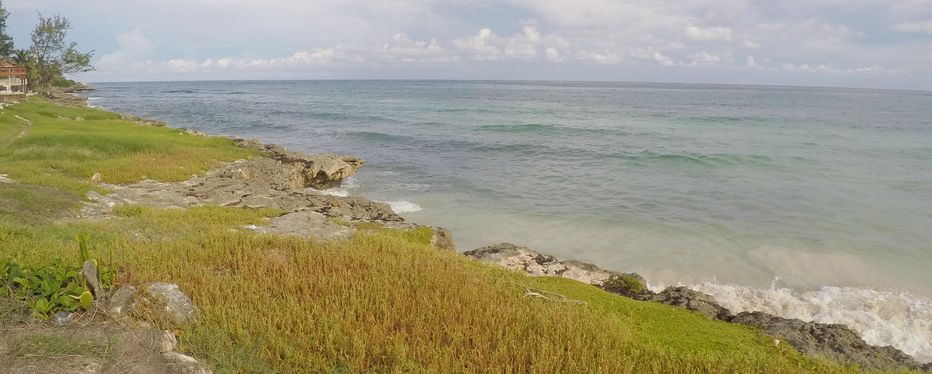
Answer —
178 358
167 342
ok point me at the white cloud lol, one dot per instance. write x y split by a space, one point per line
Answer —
704 58
924 27
823 68
710 34
182 66
599 58
481 46
751 62
653 55
527 45
134 45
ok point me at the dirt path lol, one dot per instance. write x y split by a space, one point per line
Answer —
26 127
94 345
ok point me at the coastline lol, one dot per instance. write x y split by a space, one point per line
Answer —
236 184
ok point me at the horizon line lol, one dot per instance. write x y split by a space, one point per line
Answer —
516 81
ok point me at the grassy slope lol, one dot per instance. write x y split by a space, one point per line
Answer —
383 301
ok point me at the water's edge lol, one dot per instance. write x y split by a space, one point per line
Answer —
881 317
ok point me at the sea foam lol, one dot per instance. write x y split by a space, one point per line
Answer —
402 206
882 318
336 191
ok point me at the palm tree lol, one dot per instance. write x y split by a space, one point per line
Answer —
24 58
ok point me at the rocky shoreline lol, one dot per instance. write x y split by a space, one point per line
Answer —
831 341
291 182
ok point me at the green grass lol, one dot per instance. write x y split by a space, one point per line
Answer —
383 301
58 151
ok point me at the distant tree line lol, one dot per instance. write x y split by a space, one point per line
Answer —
50 57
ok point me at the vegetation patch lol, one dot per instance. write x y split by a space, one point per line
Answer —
57 346
54 287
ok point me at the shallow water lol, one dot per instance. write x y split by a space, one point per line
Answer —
695 184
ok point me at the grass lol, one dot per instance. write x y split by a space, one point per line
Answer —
59 151
54 346
383 301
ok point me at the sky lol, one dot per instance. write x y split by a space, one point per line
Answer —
845 43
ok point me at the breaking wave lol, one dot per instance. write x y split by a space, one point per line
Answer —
882 318
402 206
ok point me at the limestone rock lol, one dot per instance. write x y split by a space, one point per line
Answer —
319 171
89 272
307 224
96 177
178 308
442 239
535 263
832 341
184 364
122 302
686 298
631 285
167 342
6 179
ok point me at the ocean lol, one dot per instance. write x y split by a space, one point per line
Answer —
811 203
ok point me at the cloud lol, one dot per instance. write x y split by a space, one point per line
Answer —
711 34
704 58
133 45
923 27
823 68
590 39
599 58
482 46
526 45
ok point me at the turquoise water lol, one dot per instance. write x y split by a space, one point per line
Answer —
683 183
804 202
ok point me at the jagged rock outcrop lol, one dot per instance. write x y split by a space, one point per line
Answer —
683 297
535 263
244 183
442 239
298 170
832 341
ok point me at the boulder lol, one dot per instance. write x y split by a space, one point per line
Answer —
535 263
122 302
320 171
176 308
631 285
184 364
6 179
442 239
832 341
686 298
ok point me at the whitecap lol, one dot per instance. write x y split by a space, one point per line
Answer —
882 318
420 187
402 206
350 183
336 191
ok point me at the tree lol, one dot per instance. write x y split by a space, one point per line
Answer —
6 42
52 56
23 57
